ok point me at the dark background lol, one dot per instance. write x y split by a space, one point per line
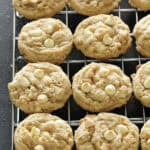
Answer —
134 108
5 72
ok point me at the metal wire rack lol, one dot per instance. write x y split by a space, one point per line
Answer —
72 113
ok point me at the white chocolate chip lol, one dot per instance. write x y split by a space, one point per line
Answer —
96 78
147 30
123 33
107 40
24 35
124 91
89 123
49 43
45 134
60 123
24 82
39 147
38 32
147 83
49 29
42 98
110 21
104 72
122 129
35 131
38 73
110 89
47 80
87 34
86 87
109 135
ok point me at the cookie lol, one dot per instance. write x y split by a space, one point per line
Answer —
145 136
48 40
43 132
94 7
102 37
142 4
40 87
106 131
35 9
142 35
101 87
141 84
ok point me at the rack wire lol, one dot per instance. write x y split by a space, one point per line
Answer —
72 113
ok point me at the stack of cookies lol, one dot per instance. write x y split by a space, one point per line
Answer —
42 87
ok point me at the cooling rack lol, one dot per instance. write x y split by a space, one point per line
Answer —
72 113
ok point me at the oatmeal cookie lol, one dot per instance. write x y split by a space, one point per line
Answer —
47 40
102 37
145 136
142 4
40 87
94 7
35 9
43 132
142 34
141 84
106 131
101 87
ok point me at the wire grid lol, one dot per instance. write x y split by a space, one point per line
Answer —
72 113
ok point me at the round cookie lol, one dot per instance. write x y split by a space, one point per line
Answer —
145 136
48 40
142 35
101 87
94 7
43 132
35 9
102 37
106 131
142 4
40 87
141 84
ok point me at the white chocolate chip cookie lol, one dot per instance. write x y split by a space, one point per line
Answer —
142 4
48 40
141 84
102 37
40 87
106 131
145 136
101 87
142 34
43 132
34 9
93 7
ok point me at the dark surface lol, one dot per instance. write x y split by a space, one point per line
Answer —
6 25
5 73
